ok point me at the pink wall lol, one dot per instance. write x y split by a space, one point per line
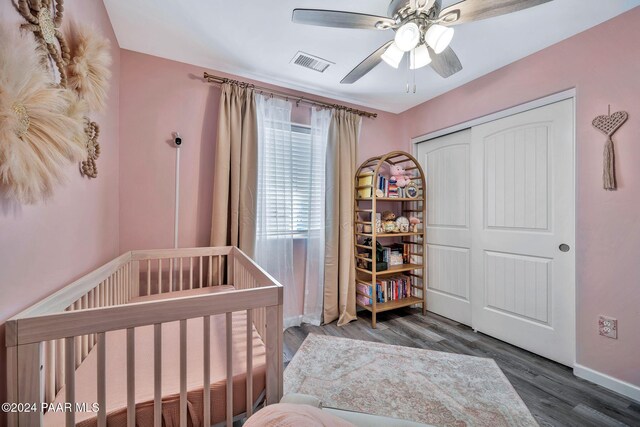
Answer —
160 96
602 65
47 245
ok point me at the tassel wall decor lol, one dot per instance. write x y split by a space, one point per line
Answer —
608 125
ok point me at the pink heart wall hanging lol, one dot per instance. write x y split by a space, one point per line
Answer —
608 125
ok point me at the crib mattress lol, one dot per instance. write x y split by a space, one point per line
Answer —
116 383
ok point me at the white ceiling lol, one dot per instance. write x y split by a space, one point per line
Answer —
256 39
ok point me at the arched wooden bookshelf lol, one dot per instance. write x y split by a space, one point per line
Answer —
368 202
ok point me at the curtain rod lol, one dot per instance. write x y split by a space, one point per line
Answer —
210 78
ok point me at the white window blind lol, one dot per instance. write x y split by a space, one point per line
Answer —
292 188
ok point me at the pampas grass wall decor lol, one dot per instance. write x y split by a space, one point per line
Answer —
88 75
41 130
89 69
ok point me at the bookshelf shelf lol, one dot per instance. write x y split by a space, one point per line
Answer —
388 199
399 285
395 269
389 234
392 305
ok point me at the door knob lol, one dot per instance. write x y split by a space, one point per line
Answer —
564 247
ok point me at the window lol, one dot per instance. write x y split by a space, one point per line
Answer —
292 185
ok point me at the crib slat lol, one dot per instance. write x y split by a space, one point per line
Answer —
171 275
219 269
148 277
101 294
131 377
249 362
50 371
157 375
200 267
207 370
59 365
180 272
183 373
70 379
134 279
117 287
122 286
91 297
210 271
191 273
126 273
85 338
160 275
229 324
102 380
78 340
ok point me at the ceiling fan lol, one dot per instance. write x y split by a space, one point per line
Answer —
422 28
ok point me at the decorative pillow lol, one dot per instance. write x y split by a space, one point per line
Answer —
292 415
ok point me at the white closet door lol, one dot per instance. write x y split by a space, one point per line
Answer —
522 175
446 165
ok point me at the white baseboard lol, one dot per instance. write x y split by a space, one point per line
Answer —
606 381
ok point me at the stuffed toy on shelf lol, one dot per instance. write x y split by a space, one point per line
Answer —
399 175
389 222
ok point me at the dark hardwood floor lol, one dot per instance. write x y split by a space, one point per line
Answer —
552 393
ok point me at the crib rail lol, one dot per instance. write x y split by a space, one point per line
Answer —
48 341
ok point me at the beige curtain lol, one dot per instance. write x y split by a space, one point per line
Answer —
339 270
234 186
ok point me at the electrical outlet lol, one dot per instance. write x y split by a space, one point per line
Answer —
608 327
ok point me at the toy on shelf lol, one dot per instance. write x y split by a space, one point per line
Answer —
389 222
414 221
399 175
402 224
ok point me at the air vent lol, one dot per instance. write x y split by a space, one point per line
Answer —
312 62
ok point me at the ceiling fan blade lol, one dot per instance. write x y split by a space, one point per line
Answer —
438 7
475 10
339 19
365 66
445 63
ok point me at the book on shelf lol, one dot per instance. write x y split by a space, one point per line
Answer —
366 178
393 288
365 289
393 254
392 188
382 184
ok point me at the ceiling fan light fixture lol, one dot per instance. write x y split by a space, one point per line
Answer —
407 36
419 57
439 37
393 55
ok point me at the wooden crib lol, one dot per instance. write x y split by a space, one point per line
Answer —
48 343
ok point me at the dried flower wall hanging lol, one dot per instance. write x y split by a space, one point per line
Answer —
89 73
89 68
88 167
44 19
40 132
